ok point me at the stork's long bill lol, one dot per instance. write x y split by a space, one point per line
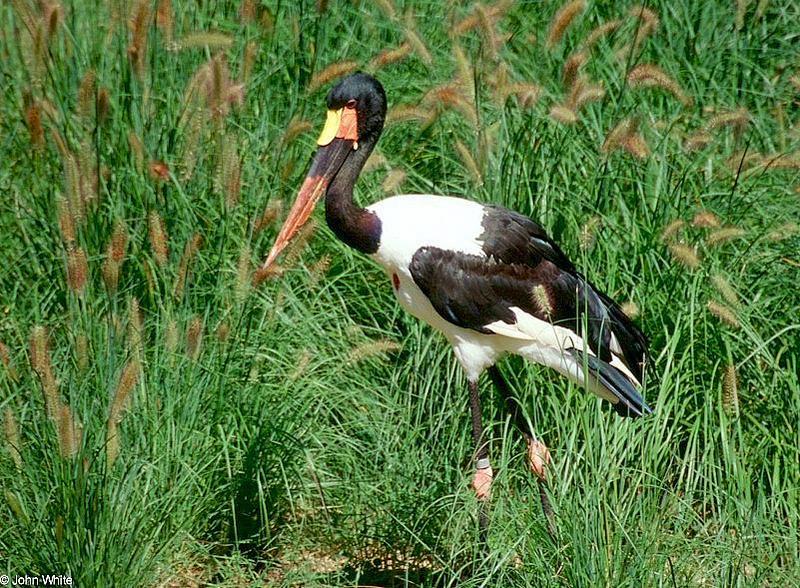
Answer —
339 138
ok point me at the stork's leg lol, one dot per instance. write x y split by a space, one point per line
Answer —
538 454
482 481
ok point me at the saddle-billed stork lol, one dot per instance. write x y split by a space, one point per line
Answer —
490 279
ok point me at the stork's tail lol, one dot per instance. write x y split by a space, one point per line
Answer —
629 402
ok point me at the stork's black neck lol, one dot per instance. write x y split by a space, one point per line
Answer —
356 226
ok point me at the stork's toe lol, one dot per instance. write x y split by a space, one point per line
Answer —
538 458
482 483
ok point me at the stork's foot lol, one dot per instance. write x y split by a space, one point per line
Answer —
538 458
482 483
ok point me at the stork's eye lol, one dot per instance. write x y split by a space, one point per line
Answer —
350 104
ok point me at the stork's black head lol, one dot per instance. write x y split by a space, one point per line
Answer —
356 111
364 93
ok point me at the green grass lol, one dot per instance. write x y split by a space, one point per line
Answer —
325 441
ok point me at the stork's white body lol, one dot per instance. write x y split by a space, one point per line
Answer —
412 221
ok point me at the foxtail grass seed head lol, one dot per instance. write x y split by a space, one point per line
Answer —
589 232
600 31
110 272
72 186
724 235
648 75
784 231
39 352
294 129
572 67
781 161
122 394
319 268
82 351
70 432
685 255
195 126
223 332
562 20
697 141
630 308
137 48
743 160
730 390
16 507
388 8
248 61
158 171
66 221
625 136
405 113
415 41
119 403
171 336
647 23
86 94
371 349
118 243
11 430
582 92
158 238
262 274
541 299
375 161
723 286
300 366
705 219
248 11
393 180
451 96
736 119
87 174
164 19
469 163
103 105
288 169
194 338
272 212
184 265
77 269
481 15
33 120
53 15
211 40
298 244
526 94
112 443
646 15
5 359
616 136
492 38
563 114
332 72
390 56
135 327
137 150
723 313
229 175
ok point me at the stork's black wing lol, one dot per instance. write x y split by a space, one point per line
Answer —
524 268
